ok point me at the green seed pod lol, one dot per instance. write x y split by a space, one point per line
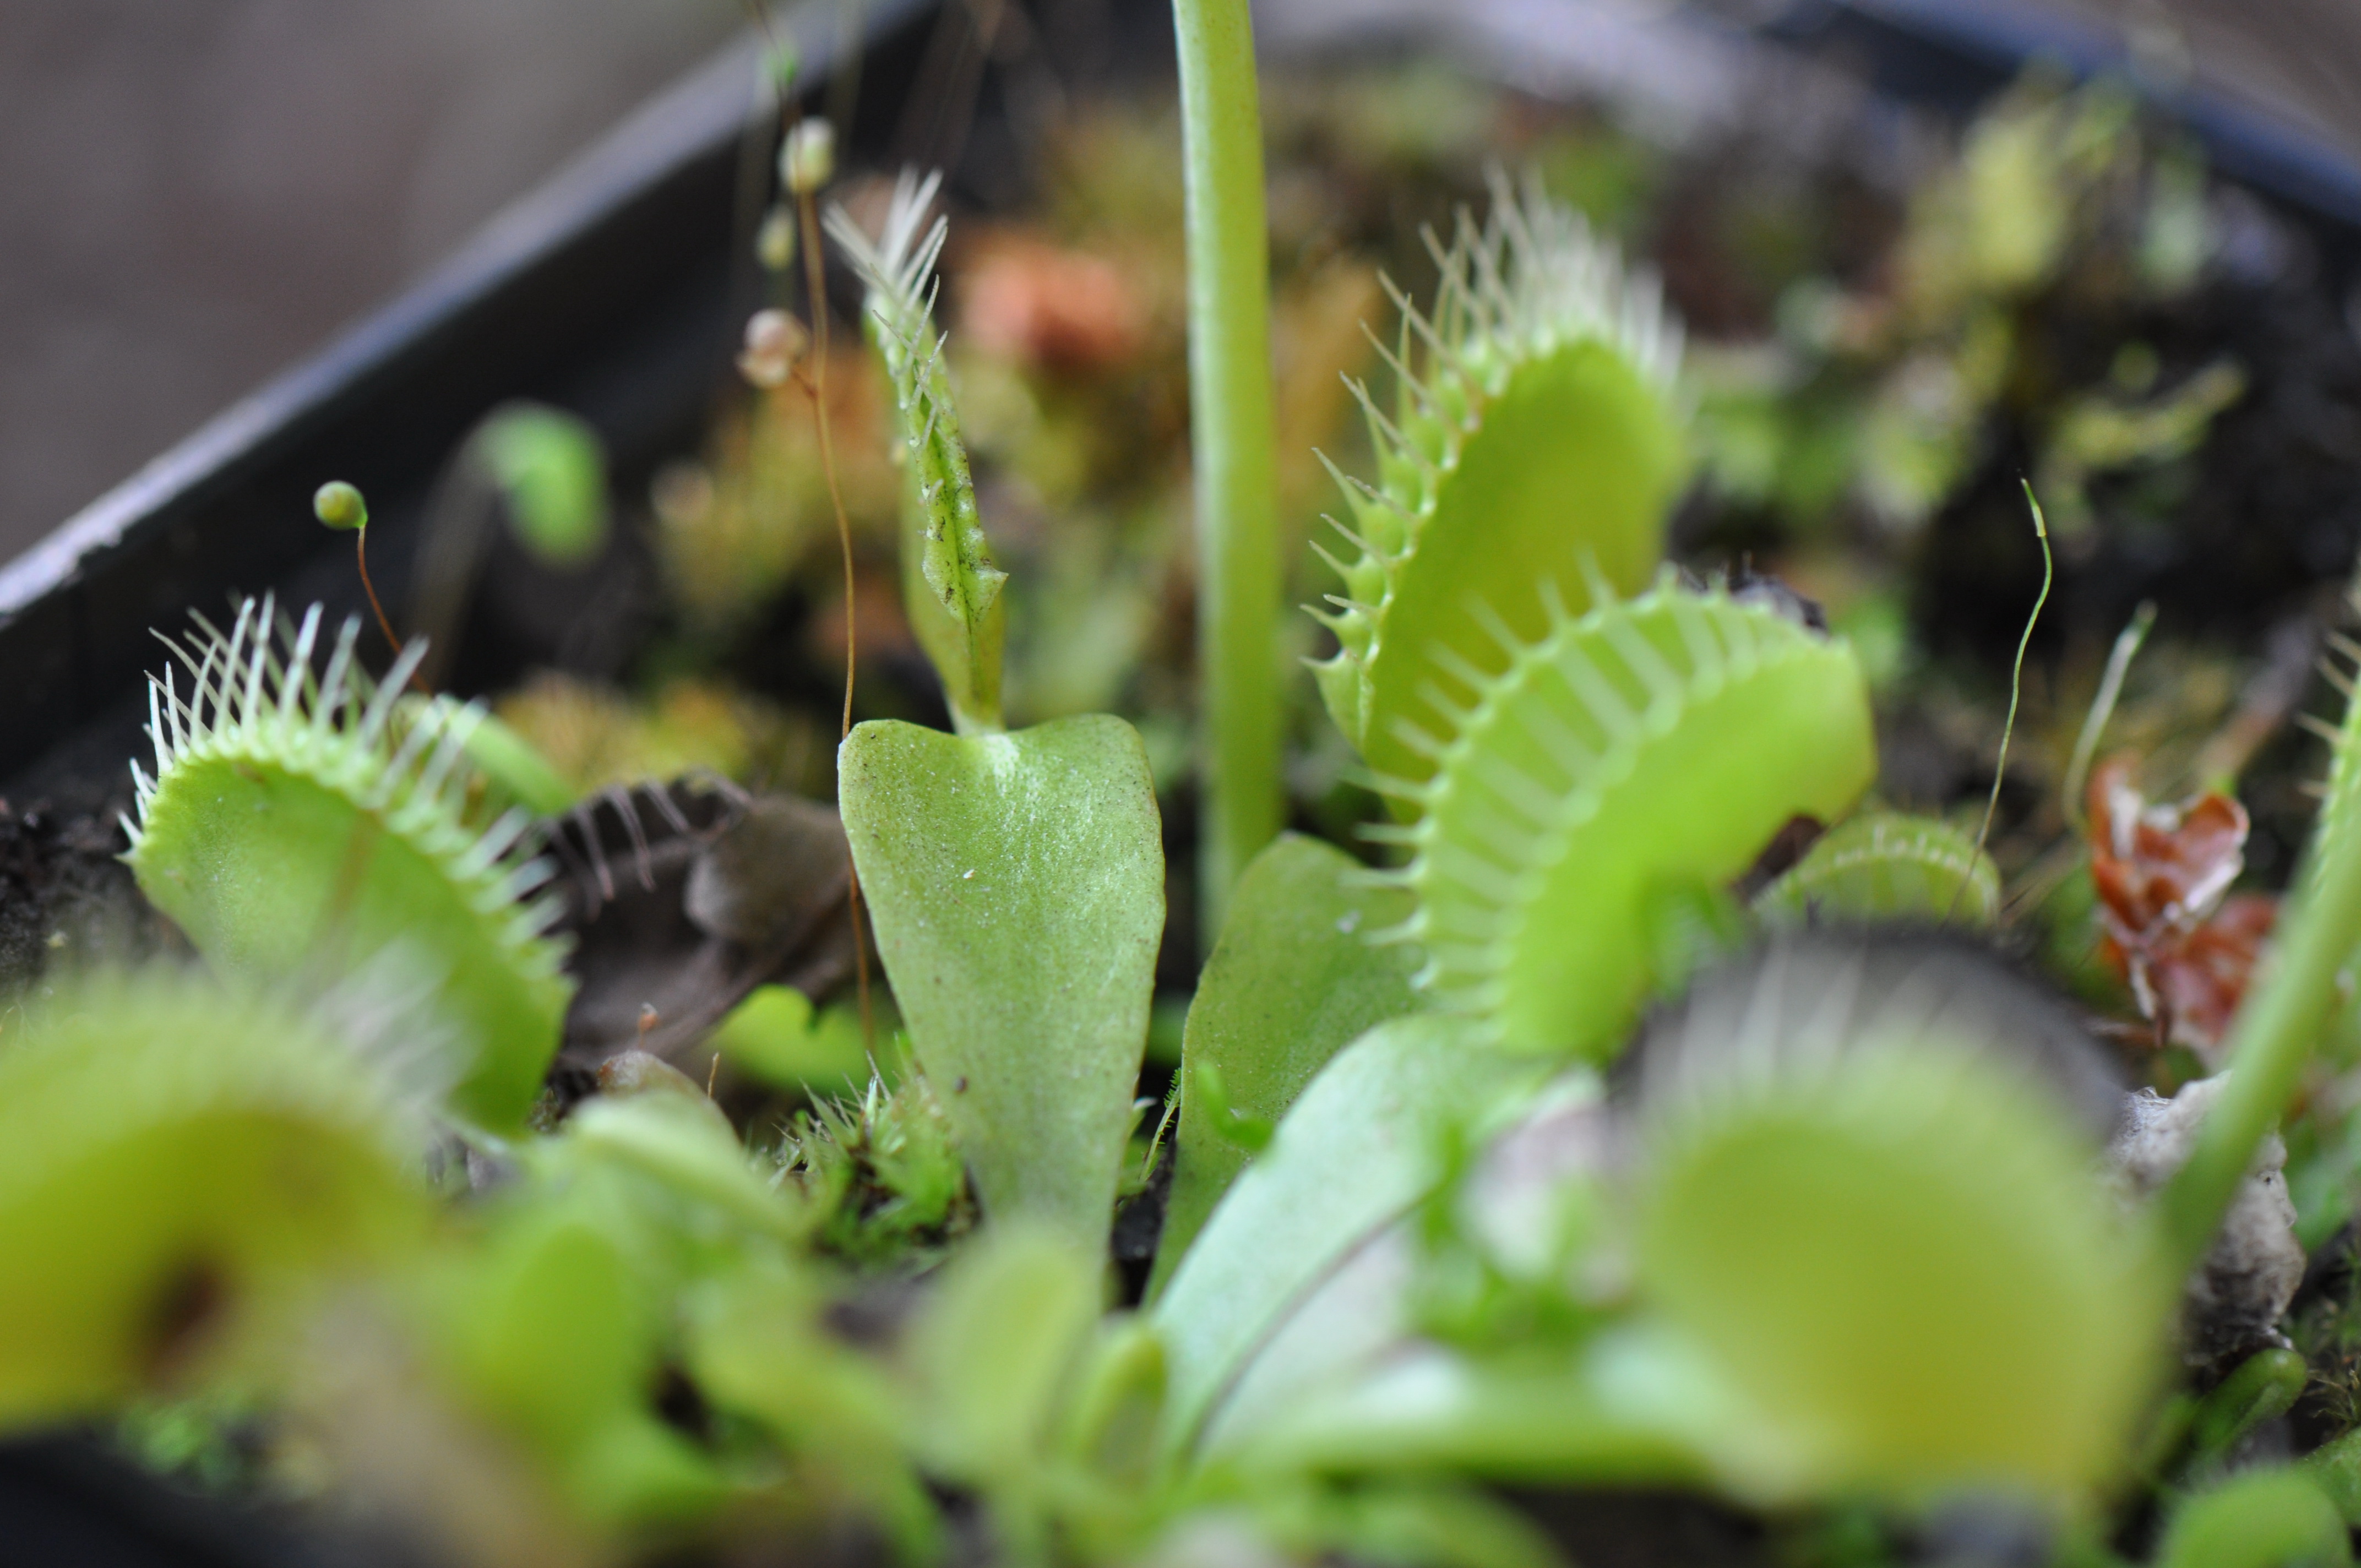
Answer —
1869 1213
173 1157
289 830
340 507
1653 744
1888 866
775 242
1535 444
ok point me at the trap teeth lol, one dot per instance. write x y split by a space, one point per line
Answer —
1653 743
267 776
1533 439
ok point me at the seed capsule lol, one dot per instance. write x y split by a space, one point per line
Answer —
774 340
808 160
340 506
775 242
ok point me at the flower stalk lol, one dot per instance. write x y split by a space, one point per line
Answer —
1231 424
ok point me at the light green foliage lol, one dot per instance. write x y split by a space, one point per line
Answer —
2262 1519
2128 425
552 470
881 1172
554 1325
1888 866
994 1362
1417 1524
756 1344
2004 221
1888 399
550 1334
1534 446
1017 886
2336 1468
1538 1418
2323 1163
175 1160
1234 442
288 831
1651 747
1868 1218
949 586
1356 1152
1110 1426
776 1035
665 1175
2265 1386
1293 978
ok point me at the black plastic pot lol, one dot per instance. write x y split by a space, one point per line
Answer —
616 292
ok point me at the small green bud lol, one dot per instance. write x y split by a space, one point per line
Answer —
340 506
774 243
808 160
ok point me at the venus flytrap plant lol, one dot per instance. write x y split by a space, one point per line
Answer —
1835 1231
1884 865
548 1333
1014 881
1854 1246
178 1161
290 828
1377 1110
1534 453
1651 746
1868 1212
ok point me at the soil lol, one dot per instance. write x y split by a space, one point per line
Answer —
65 899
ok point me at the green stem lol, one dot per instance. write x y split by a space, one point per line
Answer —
2284 1018
1231 423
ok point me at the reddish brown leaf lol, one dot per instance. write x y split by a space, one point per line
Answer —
2163 874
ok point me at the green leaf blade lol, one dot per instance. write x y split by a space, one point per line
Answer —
1017 886
1356 1152
1293 979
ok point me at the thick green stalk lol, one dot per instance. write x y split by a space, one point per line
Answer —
1231 421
